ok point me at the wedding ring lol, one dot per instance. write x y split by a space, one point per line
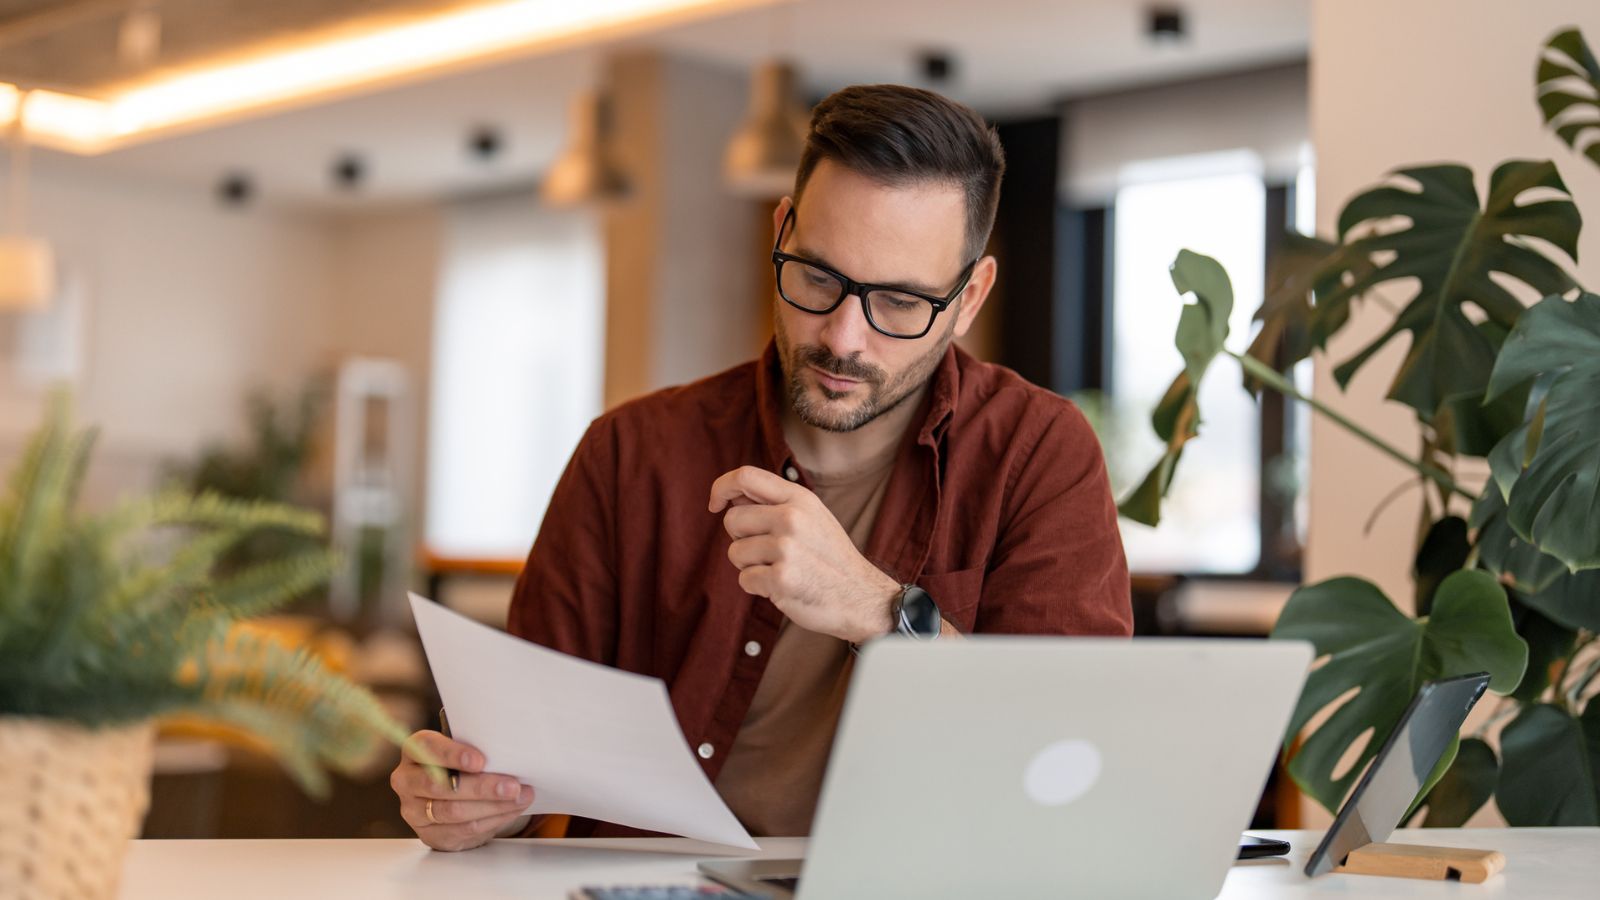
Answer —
427 809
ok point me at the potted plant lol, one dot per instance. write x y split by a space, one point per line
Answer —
111 621
1507 578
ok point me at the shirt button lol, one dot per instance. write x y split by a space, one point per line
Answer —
705 751
791 473
752 648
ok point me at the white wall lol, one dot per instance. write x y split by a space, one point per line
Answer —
384 276
1263 111
1396 84
189 306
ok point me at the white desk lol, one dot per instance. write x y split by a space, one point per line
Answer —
1543 863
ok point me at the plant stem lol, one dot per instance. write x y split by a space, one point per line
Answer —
1575 694
1271 377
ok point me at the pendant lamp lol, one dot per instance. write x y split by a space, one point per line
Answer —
585 171
762 156
27 265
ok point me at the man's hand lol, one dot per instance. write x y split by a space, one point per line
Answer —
463 818
791 550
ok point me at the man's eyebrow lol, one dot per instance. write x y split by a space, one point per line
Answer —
915 287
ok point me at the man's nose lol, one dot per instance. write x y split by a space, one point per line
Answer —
846 331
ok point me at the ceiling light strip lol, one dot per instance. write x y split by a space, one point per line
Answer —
228 89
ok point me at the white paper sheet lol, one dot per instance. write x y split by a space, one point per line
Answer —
592 740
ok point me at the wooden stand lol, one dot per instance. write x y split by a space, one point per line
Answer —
1433 863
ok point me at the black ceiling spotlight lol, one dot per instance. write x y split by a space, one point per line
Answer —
1165 24
485 143
236 189
349 170
937 66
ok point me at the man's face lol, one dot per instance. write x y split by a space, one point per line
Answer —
840 373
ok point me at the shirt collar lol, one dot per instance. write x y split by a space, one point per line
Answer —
945 391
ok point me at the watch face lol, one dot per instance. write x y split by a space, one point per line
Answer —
919 615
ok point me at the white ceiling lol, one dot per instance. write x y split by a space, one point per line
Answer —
1012 56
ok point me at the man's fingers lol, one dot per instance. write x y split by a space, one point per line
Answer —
760 550
746 521
462 812
414 781
446 751
751 483
757 580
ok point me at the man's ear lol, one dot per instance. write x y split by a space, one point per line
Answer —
972 299
778 213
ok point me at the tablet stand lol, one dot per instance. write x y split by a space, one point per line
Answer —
1434 863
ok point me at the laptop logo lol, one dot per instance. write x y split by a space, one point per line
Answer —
1061 772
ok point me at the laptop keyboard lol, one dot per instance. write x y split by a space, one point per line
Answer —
787 882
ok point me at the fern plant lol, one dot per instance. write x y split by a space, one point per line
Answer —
122 617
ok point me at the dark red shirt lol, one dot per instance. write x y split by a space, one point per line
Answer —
998 506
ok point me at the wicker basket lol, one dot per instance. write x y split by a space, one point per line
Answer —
70 799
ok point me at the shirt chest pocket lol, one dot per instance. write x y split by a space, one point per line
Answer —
957 594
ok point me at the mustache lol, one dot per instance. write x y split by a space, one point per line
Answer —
842 367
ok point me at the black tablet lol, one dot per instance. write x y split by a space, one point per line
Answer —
1397 774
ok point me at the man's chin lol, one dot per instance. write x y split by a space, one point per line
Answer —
833 411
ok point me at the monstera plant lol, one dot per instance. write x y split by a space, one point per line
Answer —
1507 579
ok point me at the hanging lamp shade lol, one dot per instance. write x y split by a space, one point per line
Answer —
585 172
764 153
27 264
27 273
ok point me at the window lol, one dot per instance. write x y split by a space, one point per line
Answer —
1213 204
517 370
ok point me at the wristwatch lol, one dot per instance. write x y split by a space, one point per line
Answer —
915 614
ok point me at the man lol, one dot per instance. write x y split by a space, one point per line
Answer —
737 537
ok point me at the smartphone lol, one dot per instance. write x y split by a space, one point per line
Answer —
1252 847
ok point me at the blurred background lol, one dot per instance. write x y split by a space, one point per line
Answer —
388 258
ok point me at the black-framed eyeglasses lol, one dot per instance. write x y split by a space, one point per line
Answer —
893 311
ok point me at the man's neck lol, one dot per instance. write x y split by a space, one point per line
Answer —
833 454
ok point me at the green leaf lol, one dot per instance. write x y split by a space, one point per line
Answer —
1575 117
1465 788
1503 553
1550 761
1299 270
1549 469
1549 642
1383 657
1444 550
1446 760
1451 247
1468 426
1202 329
1573 600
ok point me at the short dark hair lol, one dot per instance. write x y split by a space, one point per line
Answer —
901 135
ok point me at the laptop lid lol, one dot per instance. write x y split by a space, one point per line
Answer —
1041 767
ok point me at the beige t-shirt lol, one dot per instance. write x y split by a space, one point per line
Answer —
773 773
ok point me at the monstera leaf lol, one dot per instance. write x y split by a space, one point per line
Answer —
1465 788
1549 469
1575 117
1300 269
1451 246
1202 329
1550 767
1384 656
1519 563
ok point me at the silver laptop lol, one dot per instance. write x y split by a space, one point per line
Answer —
1024 767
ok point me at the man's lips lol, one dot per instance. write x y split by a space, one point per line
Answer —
833 382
